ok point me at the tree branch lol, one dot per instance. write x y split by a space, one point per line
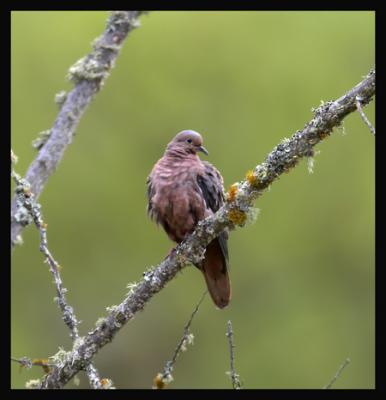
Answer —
240 199
88 75
25 201
164 378
363 115
337 373
236 384
93 377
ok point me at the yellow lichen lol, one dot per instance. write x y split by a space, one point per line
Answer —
158 382
42 362
107 383
27 192
232 192
238 217
252 178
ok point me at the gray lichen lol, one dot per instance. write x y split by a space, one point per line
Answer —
41 140
33 384
88 68
14 158
23 216
60 98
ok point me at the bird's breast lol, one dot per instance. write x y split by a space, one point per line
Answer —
177 201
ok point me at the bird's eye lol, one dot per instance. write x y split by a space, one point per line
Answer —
189 140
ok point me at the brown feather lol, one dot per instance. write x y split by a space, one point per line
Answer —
216 274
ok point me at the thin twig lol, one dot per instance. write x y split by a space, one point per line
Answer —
27 363
26 203
235 212
363 115
24 362
162 379
337 374
88 74
93 377
236 384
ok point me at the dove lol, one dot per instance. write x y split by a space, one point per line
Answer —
182 190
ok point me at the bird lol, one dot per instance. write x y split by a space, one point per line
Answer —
182 190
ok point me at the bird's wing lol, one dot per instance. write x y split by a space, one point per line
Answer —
150 194
211 185
216 262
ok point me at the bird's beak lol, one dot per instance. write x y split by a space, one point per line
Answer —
203 150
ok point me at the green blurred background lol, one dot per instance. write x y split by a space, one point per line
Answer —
302 275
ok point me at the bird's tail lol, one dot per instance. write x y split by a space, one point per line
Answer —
215 270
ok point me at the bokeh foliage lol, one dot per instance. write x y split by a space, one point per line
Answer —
302 275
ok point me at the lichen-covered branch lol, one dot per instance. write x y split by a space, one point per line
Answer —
240 199
164 378
25 200
93 377
88 74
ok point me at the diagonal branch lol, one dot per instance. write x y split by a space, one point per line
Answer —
164 378
337 373
88 74
240 199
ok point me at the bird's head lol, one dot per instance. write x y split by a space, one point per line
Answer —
188 142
